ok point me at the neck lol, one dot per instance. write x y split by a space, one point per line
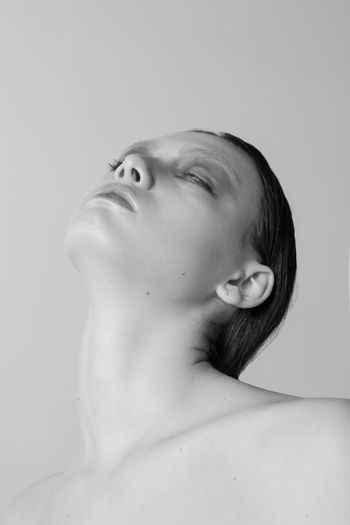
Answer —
139 372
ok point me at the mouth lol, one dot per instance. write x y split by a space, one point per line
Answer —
116 198
118 193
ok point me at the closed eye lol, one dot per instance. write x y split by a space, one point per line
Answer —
198 180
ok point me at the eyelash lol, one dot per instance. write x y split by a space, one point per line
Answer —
115 163
200 181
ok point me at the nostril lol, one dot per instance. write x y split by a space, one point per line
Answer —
135 174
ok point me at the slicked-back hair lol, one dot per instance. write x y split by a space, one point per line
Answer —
272 237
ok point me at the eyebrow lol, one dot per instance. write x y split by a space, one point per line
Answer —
149 147
205 154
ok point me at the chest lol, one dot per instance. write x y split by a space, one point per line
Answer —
188 481
159 500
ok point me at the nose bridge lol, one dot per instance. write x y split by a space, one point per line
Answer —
136 170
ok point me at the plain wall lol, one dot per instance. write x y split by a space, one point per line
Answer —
80 80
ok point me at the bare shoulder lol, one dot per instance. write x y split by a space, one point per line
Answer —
310 451
318 425
28 505
324 423
325 418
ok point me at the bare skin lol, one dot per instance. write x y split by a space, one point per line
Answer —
165 438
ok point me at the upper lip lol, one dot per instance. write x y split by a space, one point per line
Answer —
122 191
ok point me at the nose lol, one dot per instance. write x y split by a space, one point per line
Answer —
135 170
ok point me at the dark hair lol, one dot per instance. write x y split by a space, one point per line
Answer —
272 237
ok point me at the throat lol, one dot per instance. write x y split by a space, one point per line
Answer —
135 386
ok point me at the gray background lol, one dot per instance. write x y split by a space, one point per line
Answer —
82 79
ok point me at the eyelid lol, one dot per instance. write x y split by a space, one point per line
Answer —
206 181
202 172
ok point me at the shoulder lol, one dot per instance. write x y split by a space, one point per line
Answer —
317 424
325 424
312 448
27 506
326 418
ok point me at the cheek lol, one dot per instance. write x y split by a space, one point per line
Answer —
199 246
184 249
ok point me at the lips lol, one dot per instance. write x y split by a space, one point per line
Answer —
117 198
120 193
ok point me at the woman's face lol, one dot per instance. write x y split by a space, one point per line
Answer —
196 197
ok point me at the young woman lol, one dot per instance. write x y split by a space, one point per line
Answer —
187 251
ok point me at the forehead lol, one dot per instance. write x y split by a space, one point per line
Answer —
217 145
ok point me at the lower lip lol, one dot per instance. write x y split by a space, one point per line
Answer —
115 200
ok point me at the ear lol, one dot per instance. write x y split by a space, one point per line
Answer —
248 288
